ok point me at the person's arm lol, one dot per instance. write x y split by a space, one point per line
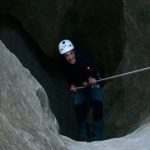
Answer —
72 86
91 80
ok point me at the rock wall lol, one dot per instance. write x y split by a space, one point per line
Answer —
138 140
26 122
128 97
46 71
94 26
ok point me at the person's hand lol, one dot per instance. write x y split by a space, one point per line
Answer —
85 84
73 88
92 80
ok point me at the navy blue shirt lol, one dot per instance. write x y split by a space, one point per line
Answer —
80 71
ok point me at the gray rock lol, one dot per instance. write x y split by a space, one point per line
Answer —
94 26
26 121
127 103
138 140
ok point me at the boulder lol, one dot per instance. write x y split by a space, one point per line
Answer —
26 122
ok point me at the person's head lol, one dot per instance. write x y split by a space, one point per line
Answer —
66 48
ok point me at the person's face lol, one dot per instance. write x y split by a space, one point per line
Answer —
70 56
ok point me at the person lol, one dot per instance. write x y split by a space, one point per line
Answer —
81 71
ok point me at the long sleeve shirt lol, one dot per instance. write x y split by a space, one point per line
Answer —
83 68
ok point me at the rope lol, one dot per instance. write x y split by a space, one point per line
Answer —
117 76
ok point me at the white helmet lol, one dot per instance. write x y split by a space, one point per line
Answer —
65 46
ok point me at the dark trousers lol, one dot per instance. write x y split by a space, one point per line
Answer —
86 101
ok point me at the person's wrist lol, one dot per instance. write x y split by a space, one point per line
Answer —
92 80
72 87
84 84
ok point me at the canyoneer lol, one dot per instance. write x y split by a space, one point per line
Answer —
81 70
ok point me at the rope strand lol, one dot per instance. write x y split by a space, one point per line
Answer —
119 75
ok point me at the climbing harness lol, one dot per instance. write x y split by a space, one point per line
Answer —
117 76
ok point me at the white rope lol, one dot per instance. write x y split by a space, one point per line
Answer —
119 75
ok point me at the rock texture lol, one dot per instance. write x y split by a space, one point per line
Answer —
26 122
25 119
46 71
138 140
94 26
130 95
